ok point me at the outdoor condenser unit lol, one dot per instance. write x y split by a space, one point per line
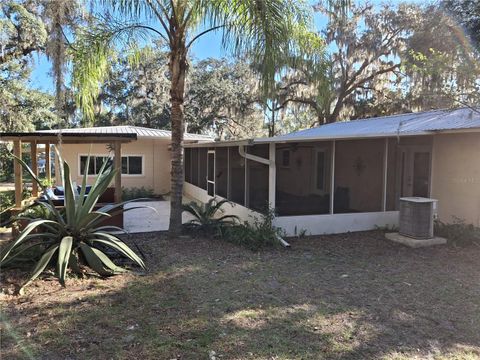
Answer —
417 216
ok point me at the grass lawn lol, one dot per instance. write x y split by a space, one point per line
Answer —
353 296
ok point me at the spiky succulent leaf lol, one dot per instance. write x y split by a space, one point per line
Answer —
94 261
64 251
22 237
41 265
107 262
115 243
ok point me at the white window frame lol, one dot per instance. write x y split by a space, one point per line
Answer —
316 190
108 155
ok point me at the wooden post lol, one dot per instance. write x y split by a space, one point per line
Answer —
272 175
17 150
48 170
56 164
118 167
33 155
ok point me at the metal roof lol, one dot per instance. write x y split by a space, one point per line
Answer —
421 123
140 132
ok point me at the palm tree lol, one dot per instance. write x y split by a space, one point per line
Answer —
267 31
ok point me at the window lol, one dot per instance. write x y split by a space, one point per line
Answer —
131 165
320 171
286 158
95 164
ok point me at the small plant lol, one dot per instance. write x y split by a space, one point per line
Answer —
47 183
208 218
135 193
458 232
256 234
74 237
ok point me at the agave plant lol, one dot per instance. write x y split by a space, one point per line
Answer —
205 216
73 236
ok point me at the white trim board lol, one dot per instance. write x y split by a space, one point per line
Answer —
336 223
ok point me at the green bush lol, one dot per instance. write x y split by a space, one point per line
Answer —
75 237
256 234
458 232
137 193
7 201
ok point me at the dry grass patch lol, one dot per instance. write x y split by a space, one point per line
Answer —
332 297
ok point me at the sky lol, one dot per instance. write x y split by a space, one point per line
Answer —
205 47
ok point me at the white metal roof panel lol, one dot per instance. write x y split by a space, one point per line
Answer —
395 125
141 132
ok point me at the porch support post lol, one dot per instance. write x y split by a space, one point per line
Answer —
272 171
56 164
48 167
17 150
332 178
33 155
118 168
385 176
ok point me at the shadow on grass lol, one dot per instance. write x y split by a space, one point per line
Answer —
342 297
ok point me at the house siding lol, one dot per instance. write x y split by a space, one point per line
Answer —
156 163
456 176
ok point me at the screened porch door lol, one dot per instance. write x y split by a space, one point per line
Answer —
415 165
211 173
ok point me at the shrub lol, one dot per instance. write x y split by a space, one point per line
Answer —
254 235
135 193
7 201
75 236
458 232
206 220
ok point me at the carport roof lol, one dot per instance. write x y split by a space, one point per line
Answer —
125 132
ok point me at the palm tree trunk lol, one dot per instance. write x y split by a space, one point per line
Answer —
178 69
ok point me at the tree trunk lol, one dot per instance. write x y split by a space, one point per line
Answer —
178 69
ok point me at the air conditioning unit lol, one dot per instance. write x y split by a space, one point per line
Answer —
416 217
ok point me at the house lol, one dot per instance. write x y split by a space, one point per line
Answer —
346 176
145 161
144 154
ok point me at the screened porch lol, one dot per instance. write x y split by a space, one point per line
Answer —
313 177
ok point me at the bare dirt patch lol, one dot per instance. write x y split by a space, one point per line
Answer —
350 296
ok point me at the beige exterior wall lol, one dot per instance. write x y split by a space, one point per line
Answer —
156 162
456 176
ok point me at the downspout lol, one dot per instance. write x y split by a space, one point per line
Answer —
241 151
270 163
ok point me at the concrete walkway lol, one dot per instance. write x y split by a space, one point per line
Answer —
147 220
